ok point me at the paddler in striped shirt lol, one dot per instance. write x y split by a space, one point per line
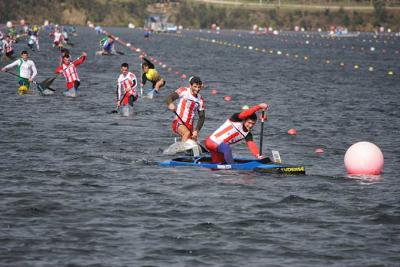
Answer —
68 68
236 128
151 74
126 85
190 103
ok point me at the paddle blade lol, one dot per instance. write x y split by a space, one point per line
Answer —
178 147
46 83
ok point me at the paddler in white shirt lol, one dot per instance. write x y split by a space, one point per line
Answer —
26 71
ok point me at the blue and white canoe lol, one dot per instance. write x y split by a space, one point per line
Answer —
264 165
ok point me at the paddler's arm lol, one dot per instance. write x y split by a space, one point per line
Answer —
248 112
134 83
144 78
58 70
9 66
151 65
34 72
252 146
200 122
81 59
118 93
170 100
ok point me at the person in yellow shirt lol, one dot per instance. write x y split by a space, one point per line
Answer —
151 74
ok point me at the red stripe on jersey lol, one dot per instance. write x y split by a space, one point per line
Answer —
223 131
191 113
226 140
183 107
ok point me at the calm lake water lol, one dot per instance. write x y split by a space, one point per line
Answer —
81 186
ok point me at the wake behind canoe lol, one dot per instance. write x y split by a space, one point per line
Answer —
265 165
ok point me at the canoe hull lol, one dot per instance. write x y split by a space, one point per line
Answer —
240 164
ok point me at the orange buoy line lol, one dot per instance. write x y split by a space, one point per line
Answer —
284 37
390 72
318 42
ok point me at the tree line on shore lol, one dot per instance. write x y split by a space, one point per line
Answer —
196 15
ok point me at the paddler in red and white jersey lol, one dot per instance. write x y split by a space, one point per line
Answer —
190 103
58 38
126 85
68 68
236 128
8 47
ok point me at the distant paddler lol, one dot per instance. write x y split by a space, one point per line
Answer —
236 128
107 45
26 72
8 48
190 103
58 38
126 84
33 38
151 74
68 68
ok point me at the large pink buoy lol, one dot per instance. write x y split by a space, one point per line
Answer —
363 158
292 131
214 91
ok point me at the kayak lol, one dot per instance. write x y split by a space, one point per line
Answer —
264 165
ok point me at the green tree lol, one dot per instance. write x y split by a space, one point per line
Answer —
380 13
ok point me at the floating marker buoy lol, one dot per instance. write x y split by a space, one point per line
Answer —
371 68
390 73
372 49
292 131
341 64
364 158
356 66
183 76
128 44
327 61
305 58
227 98
214 91
319 151
279 53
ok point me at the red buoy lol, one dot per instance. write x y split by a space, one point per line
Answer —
227 98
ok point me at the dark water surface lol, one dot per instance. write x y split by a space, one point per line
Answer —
80 186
